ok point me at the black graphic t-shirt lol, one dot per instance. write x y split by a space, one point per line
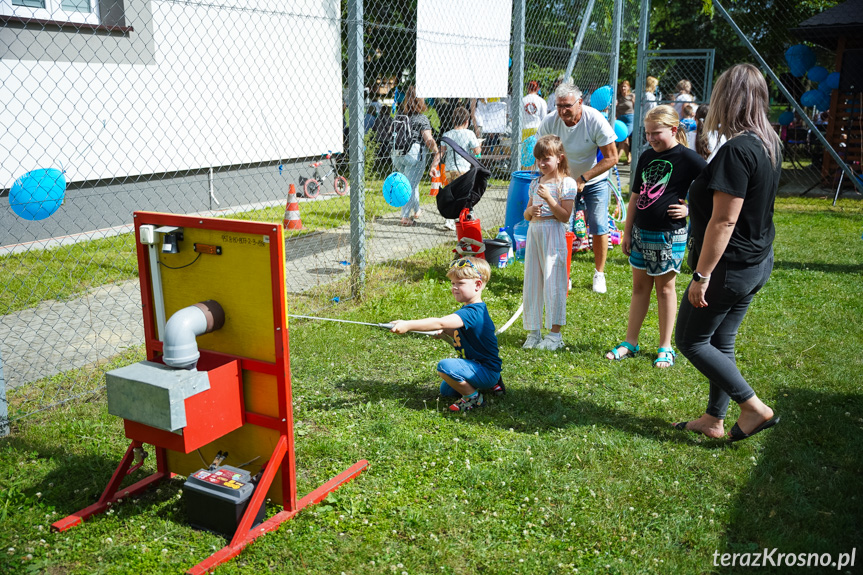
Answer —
661 180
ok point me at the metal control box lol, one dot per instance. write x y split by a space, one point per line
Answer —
216 499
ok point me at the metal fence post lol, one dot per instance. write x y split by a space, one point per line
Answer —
356 145
4 405
637 140
576 48
517 84
814 130
615 58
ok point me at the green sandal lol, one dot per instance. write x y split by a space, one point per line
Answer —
633 351
666 355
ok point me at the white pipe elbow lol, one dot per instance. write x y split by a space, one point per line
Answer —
181 348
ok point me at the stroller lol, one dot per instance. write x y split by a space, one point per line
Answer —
457 199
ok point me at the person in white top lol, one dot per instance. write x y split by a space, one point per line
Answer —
684 95
533 110
455 164
582 130
648 100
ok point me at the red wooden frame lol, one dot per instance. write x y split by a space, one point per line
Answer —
282 457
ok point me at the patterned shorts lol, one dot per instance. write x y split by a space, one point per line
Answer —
657 252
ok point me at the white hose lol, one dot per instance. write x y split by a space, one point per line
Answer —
511 320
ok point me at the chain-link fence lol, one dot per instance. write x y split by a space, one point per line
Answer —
798 45
795 42
223 109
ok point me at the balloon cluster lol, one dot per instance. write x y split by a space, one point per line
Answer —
801 62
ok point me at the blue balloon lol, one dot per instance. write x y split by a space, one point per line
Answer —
601 98
831 81
786 118
817 73
527 159
397 189
38 194
799 58
810 98
620 131
823 102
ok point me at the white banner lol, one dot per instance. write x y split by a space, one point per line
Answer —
463 48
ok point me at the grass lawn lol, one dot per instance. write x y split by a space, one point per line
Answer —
575 470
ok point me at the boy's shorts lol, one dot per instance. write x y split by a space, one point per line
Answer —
468 370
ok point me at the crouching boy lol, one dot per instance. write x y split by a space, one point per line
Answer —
472 331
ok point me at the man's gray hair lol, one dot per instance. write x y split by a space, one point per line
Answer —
568 88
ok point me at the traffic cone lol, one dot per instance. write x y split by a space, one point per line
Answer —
436 181
292 219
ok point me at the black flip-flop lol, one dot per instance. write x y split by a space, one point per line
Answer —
738 435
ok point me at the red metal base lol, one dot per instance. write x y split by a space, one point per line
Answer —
240 541
113 492
244 534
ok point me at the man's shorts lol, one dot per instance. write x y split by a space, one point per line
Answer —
596 197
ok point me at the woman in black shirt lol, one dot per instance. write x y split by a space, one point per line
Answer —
731 250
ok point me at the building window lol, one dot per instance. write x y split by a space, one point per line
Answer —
75 11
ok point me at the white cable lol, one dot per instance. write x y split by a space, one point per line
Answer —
511 320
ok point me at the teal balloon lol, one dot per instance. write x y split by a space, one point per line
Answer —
527 159
817 73
620 131
799 58
601 98
397 189
810 98
825 89
786 118
38 194
831 81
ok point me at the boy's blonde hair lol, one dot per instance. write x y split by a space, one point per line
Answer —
651 83
666 115
476 269
551 145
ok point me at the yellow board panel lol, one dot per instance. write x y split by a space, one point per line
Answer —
239 280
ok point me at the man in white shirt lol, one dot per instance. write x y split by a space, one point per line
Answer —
533 110
582 130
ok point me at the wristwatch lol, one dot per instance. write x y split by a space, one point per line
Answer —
582 178
697 277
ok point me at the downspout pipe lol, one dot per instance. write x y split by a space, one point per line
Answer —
180 350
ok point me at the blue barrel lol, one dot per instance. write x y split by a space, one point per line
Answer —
516 198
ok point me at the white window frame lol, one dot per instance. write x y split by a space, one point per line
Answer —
53 11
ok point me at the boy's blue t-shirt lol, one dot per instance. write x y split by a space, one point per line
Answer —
476 339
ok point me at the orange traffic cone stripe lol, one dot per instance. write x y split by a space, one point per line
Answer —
292 219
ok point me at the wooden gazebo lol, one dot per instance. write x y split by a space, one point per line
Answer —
841 29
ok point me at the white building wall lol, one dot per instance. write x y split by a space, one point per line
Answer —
231 83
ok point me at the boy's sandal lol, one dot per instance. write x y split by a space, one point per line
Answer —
666 355
619 355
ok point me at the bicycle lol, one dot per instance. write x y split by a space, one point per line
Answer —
311 187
